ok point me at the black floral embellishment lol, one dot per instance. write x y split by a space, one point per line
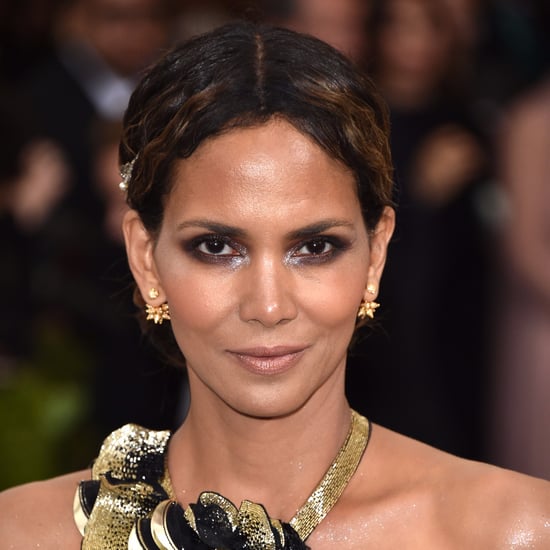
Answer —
216 523
221 525
213 523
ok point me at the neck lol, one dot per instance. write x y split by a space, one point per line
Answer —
275 461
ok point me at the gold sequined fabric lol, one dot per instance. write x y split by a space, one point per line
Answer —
129 504
132 479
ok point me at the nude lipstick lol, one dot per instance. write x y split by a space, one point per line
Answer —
268 360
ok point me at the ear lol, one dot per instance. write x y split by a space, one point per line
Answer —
139 248
379 240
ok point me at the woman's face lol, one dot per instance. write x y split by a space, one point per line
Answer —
263 258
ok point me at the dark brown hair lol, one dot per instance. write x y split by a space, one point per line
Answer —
242 75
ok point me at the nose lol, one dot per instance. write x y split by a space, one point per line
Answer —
267 293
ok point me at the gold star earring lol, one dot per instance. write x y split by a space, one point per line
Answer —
157 314
367 309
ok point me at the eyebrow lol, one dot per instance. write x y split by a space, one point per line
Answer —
215 227
231 231
319 227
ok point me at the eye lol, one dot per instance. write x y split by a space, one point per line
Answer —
215 246
315 247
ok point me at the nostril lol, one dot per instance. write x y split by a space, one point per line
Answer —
268 303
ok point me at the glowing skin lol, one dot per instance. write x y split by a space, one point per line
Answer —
263 258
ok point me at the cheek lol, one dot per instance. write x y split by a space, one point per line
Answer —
334 301
198 302
198 297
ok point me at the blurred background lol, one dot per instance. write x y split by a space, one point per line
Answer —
459 355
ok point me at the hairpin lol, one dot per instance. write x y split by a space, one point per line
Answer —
126 174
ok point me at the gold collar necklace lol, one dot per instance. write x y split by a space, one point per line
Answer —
336 479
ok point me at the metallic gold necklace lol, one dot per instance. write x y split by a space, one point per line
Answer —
325 496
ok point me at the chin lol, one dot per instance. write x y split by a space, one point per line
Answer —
268 407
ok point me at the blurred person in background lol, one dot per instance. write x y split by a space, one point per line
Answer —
75 95
520 420
503 53
101 48
431 345
33 178
38 408
341 24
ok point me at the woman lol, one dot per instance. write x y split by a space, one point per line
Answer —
258 176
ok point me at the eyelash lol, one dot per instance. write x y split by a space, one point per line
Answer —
323 241
209 257
336 246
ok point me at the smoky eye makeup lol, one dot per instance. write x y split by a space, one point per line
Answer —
314 249
317 250
214 248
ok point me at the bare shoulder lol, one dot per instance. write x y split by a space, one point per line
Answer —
40 514
504 509
409 495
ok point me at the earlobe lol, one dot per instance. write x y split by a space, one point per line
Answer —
139 248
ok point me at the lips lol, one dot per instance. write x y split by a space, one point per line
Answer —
268 360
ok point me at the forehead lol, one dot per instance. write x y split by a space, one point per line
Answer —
268 168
